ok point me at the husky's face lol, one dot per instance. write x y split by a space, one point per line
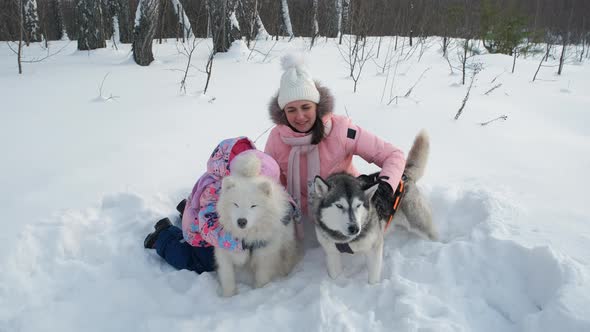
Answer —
341 206
243 201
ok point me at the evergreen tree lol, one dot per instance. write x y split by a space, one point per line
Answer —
502 32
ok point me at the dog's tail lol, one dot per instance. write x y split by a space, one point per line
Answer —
418 156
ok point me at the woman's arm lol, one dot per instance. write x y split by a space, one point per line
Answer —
389 158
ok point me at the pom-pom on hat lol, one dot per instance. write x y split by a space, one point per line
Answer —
296 82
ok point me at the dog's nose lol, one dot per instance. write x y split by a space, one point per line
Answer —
353 229
242 222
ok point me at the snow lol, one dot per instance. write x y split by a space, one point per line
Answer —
84 180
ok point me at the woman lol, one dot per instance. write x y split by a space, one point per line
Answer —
310 140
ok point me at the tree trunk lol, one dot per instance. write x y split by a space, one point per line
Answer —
162 19
464 62
286 27
332 17
123 13
58 19
338 17
31 22
20 37
90 36
344 19
183 21
562 57
146 18
220 22
246 15
314 21
514 55
259 26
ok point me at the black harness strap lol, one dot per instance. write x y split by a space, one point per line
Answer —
398 195
344 248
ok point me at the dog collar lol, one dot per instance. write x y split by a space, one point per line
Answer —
254 245
344 248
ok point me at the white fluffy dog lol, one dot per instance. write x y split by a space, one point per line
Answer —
255 209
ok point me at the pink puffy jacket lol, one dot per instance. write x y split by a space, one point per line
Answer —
336 150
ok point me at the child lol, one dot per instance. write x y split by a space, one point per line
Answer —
192 247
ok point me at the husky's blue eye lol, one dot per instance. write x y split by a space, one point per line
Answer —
236 205
338 205
253 206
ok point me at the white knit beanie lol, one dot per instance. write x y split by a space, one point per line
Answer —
296 82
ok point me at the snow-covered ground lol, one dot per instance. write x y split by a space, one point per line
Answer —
83 180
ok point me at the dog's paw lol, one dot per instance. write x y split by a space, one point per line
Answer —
260 283
374 280
334 265
334 272
229 292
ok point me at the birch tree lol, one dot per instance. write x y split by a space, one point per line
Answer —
183 21
315 29
249 19
286 27
31 21
344 19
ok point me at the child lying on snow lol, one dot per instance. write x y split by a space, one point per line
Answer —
192 247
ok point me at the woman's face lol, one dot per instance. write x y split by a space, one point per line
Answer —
301 114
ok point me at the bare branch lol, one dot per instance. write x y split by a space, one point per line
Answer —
102 83
466 98
503 117
492 89
495 78
264 132
417 81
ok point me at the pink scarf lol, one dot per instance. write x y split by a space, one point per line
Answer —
303 145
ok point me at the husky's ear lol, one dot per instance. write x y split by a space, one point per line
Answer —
227 183
265 187
369 192
320 186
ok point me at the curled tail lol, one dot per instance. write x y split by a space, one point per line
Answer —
418 156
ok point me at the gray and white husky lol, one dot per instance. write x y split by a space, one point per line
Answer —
347 221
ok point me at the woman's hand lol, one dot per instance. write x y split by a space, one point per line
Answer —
383 200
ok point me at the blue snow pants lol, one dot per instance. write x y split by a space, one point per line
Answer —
171 246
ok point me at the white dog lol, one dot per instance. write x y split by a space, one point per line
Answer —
255 209
347 222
